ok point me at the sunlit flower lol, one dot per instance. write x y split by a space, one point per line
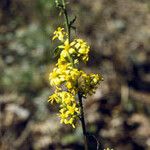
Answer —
59 34
68 80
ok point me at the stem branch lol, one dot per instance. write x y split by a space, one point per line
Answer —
68 28
66 18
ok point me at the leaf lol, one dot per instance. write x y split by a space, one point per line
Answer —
72 21
57 52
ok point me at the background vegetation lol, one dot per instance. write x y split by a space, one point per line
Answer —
118 113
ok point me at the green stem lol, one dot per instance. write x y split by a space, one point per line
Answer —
79 94
66 19
67 26
83 121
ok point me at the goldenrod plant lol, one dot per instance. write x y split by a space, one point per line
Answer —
68 80
70 83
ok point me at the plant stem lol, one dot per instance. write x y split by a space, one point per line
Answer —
66 18
68 28
79 94
83 121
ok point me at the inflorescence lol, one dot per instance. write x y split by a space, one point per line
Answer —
68 80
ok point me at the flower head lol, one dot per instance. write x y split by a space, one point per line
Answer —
68 80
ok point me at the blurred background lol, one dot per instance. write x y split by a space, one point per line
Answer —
118 114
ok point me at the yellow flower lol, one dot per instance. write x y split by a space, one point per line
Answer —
53 98
66 97
64 54
66 45
71 121
63 116
59 33
88 83
82 49
54 78
85 58
55 81
69 85
68 115
79 43
72 51
76 61
72 109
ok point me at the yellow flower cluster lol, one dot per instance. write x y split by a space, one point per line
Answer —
68 109
68 80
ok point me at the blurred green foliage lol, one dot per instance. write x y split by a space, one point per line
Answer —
26 50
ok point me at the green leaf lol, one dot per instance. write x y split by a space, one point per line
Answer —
57 52
73 20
